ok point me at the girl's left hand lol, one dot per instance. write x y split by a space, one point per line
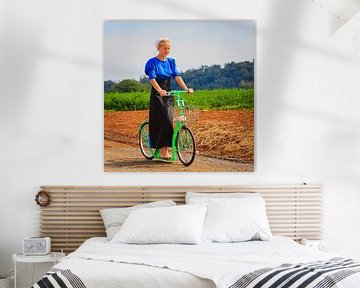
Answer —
190 90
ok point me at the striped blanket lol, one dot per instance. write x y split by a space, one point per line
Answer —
59 278
319 274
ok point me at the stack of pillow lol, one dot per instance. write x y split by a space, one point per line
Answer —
219 217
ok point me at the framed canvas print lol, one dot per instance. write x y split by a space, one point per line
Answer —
179 96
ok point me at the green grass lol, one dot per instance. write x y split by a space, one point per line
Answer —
220 99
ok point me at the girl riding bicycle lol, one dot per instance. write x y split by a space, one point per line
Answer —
160 70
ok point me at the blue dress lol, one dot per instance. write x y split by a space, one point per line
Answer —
158 69
161 107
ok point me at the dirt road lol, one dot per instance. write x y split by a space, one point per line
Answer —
119 157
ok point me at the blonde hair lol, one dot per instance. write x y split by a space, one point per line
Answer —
160 41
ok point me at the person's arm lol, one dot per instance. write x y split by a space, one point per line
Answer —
182 84
157 87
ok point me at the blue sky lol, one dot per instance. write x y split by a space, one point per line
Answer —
129 44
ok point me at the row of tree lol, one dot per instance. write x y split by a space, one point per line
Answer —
232 75
127 85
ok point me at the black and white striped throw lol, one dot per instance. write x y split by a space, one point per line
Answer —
320 274
59 278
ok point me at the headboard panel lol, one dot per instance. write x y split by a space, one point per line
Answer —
73 215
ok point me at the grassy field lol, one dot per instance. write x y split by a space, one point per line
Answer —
220 99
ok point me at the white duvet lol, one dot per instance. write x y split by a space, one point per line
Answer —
100 263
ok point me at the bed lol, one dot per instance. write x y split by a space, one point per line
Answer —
293 212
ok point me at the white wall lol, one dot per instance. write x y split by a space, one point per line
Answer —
307 102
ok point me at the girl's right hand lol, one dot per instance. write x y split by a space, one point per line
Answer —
163 93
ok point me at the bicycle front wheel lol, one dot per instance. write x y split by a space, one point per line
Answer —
185 146
144 141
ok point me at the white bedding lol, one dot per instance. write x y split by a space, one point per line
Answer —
100 263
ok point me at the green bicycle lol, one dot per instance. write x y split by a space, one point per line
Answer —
183 140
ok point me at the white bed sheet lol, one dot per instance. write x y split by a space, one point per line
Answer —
100 263
102 274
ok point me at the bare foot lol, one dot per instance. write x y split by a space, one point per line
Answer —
164 153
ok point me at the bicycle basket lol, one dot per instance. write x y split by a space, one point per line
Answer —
184 112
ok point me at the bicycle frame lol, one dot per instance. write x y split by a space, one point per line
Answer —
179 122
179 103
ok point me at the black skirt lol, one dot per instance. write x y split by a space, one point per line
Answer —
160 116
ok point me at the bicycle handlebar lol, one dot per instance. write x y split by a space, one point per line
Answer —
169 93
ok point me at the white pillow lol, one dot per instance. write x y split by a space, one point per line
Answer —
113 218
236 220
180 224
204 198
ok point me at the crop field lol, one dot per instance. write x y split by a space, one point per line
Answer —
222 121
220 99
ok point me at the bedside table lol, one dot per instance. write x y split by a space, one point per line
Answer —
320 245
53 257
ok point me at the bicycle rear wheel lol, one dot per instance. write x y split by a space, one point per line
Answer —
144 141
185 146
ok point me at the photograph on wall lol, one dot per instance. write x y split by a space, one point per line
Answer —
179 96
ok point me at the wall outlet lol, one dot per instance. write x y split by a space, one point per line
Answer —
320 245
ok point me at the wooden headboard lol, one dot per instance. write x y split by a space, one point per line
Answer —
73 214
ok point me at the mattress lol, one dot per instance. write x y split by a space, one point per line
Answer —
99 263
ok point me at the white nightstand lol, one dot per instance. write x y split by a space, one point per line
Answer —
320 245
21 258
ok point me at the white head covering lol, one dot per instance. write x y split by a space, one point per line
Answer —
159 40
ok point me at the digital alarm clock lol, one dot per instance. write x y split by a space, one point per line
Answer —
36 246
